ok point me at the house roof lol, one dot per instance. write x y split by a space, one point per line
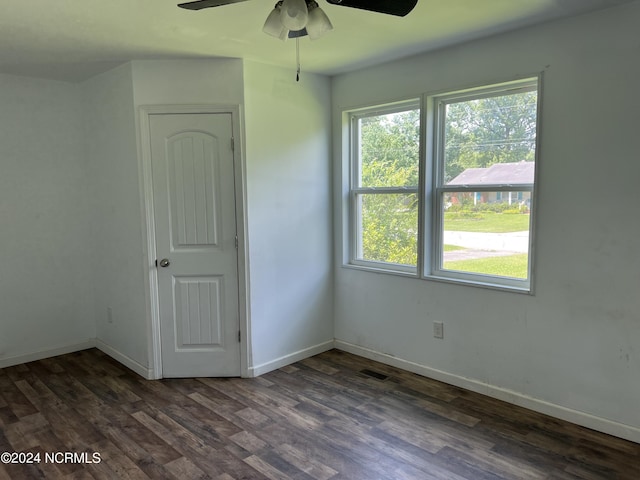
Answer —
520 173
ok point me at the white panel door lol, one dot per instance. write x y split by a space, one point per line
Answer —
195 222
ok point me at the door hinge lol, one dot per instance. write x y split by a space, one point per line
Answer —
233 145
236 242
239 336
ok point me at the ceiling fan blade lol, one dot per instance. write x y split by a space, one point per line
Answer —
200 4
399 8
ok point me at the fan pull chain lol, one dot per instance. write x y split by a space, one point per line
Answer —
297 59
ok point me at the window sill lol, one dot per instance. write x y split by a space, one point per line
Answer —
526 290
382 269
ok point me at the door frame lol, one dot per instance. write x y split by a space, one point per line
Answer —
153 313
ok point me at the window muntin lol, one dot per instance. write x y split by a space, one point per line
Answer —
384 193
458 208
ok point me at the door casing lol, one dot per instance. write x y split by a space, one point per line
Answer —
153 314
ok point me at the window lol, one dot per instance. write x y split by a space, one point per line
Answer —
462 211
384 191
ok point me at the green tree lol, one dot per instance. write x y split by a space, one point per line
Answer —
485 131
389 157
389 149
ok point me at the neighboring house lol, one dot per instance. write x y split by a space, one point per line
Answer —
518 174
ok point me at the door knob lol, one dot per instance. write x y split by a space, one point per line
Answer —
164 263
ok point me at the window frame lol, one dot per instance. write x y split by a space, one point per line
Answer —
356 191
433 233
431 186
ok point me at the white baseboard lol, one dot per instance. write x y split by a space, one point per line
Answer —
574 416
127 361
50 352
290 358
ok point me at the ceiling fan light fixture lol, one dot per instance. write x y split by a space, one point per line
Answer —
318 23
273 25
294 14
297 33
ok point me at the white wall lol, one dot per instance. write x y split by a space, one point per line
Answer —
215 81
73 222
289 214
573 348
117 221
46 297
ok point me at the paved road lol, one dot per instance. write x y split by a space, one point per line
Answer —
483 245
511 241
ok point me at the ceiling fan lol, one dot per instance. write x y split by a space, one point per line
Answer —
297 18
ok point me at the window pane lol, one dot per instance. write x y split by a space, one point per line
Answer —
487 233
481 135
388 228
389 149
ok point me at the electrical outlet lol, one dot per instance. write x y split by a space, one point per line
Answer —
438 330
109 315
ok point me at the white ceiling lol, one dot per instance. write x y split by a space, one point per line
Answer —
74 39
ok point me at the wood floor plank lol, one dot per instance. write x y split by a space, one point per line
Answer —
75 433
208 452
185 468
305 461
18 405
4 475
115 463
268 470
252 416
334 416
248 441
435 407
346 460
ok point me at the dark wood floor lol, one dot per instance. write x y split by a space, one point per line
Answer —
333 416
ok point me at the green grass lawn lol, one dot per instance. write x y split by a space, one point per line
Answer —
514 266
487 222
